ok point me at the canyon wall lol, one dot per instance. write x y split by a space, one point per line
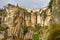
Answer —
56 11
16 17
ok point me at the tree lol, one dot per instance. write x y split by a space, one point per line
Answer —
50 5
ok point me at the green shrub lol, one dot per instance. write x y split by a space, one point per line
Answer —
55 33
25 29
37 27
35 37
1 13
50 5
2 28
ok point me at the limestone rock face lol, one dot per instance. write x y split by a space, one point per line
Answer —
37 16
16 18
30 17
56 11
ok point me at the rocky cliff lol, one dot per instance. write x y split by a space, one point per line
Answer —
56 11
16 18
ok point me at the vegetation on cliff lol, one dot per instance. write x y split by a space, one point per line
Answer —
50 5
54 32
38 30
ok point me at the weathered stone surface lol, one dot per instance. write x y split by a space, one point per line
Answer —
17 17
56 11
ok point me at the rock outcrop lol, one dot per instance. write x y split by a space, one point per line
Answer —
16 18
56 11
